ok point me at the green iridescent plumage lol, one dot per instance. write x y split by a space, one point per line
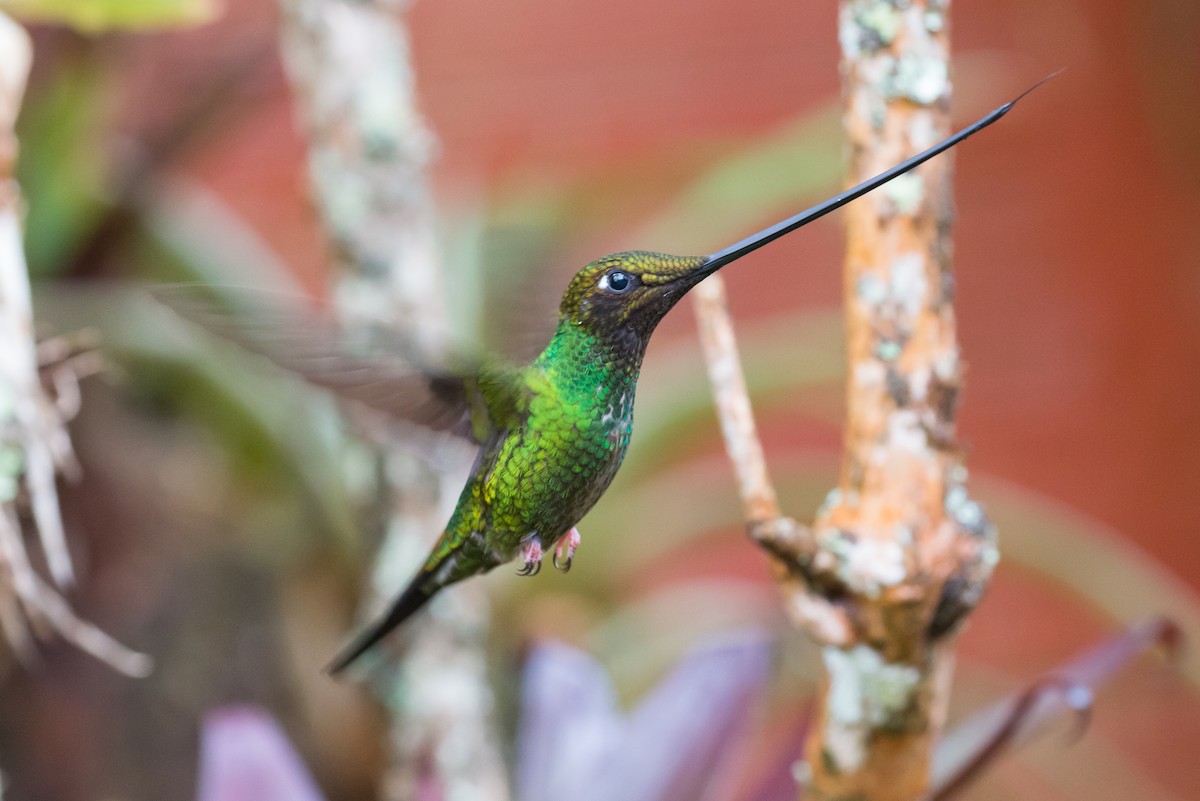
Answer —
552 434
542 470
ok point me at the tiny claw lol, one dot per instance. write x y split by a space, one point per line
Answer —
530 569
532 551
567 543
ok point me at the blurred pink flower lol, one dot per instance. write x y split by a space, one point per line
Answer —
675 745
245 756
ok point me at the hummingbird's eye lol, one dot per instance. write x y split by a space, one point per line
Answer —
616 281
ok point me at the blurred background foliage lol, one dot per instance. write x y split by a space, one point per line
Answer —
219 526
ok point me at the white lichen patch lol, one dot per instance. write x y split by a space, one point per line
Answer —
12 464
905 432
865 692
905 192
870 289
873 565
945 365
832 499
918 383
888 350
923 131
879 19
967 513
866 26
8 403
956 496
908 283
869 374
848 34
837 497
923 80
866 566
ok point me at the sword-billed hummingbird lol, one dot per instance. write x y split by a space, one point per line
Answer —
552 434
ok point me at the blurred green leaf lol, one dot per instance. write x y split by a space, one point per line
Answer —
784 358
191 235
529 220
283 445
61 170
278 437
734 196
95 16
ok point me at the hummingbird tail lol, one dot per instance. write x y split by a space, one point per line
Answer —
420 590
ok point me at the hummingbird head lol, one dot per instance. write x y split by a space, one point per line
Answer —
630 292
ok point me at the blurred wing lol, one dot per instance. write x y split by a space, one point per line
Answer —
379 371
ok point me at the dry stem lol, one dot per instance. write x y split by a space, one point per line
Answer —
34 445
790 543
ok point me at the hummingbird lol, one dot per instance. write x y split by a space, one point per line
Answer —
552 433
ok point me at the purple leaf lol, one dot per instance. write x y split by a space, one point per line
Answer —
245 756
575 744
569 722
977 742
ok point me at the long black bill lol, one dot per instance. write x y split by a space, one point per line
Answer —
717 260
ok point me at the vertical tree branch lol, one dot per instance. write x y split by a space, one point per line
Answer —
899 553
27 412
368 149
909 548
34 444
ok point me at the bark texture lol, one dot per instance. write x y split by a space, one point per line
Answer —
905 550
899 552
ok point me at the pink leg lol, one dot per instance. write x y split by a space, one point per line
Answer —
566 544
532 551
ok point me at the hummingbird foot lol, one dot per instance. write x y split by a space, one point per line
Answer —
532 551
566 544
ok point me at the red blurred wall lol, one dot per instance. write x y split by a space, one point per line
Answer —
1078 266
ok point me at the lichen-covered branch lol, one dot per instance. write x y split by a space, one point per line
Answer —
349 65
34 444
368 149
911 551
899 553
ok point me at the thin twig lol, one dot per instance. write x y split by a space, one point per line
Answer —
85 636
760 503
790 543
